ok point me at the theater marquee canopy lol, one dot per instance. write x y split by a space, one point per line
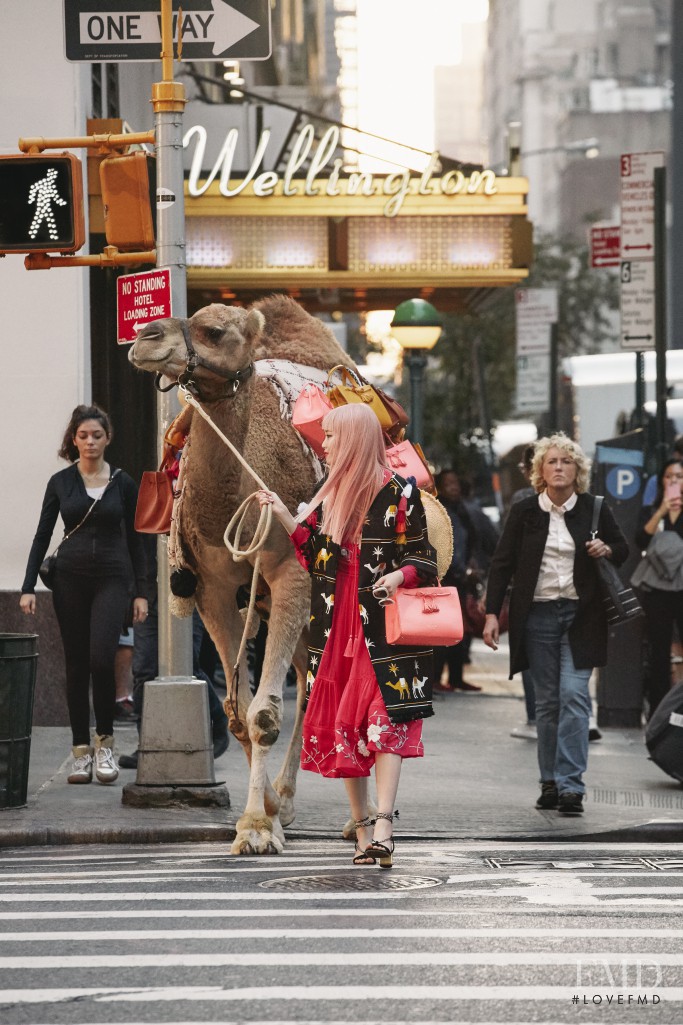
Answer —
343 240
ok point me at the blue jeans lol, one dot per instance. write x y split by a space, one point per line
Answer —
563 705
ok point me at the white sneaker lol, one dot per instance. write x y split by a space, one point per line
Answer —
527 731
81 770
106 768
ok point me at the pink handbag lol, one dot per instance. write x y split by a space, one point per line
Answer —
311 407
406 459
428 616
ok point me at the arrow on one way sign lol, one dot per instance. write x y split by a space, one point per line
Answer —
116 30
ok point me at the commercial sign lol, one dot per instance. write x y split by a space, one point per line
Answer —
130 30
637 305
318 156
605 244
140 299
536 310
638 204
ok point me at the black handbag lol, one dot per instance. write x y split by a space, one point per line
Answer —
48 567
618 598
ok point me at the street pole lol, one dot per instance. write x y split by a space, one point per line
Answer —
417 361
640 390
168 100
661 386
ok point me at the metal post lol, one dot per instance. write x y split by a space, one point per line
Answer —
417 361
168 98
638 419
660 311
676 234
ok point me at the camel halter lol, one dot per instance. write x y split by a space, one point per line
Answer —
238 521
194 360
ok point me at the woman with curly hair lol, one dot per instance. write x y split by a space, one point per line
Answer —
558 626
99 557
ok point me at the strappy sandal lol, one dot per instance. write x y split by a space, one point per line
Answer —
362 857
380 850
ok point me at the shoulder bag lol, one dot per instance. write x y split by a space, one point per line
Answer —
310 409
429 616
155 499
48 567
618 599
353 389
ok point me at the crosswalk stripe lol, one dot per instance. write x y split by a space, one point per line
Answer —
308 958
494 910
413 932
351 993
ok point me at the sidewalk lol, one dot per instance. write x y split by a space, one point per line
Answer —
476 782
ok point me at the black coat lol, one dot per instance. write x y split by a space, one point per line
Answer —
106 544
518 559
403 673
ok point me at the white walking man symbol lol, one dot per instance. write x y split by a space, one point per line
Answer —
44 193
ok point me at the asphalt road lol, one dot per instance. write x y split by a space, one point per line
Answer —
455 932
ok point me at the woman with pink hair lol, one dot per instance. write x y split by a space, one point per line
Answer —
361 537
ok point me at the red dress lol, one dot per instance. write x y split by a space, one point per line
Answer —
346 720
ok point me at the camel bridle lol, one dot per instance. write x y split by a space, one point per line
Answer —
194 360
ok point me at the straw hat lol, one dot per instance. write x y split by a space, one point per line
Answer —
440 530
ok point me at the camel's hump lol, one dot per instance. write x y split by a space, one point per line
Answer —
293 334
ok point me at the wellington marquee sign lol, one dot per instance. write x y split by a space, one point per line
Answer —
395 186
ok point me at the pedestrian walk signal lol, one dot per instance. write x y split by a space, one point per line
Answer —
41 204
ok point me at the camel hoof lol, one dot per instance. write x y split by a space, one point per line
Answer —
286 811
251 843
258 835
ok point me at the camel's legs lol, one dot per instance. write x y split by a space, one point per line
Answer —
289 608
285 783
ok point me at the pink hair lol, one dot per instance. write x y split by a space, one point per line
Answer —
357 462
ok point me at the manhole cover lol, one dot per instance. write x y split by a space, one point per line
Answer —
351 881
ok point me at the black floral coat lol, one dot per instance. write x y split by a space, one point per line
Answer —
403 674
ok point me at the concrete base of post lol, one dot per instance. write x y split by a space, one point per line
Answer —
176 748
136 796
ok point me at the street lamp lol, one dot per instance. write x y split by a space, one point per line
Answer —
416 326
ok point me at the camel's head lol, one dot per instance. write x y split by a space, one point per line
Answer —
222 339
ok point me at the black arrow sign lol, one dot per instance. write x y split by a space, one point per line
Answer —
130 30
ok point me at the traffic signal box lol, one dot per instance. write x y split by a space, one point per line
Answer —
127 183
41 204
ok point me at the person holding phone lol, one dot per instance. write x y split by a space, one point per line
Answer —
662 607
361 537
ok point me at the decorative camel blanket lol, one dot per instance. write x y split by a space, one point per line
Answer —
288 379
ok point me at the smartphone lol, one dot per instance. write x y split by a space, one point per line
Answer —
672 491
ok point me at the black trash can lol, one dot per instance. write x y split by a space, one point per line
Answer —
18 664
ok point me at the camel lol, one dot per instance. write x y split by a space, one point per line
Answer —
401 686
226 341
323 556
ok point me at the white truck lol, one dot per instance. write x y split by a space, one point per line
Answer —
601 389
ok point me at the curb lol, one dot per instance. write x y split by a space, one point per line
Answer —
52 836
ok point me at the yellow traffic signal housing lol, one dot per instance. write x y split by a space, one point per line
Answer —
126 198
41 203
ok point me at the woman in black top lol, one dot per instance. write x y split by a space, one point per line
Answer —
93 581
662 607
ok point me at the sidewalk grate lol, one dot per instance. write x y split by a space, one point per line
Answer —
356 880
636 798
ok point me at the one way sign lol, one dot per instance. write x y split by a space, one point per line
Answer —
130 30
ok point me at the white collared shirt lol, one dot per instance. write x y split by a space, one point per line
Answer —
556 576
